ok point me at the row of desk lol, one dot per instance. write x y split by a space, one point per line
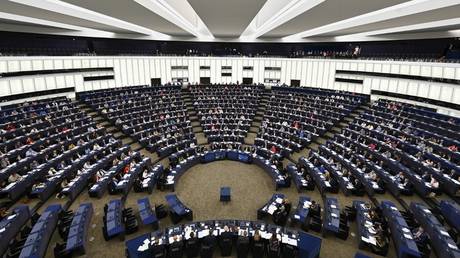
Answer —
331 216
451 212
440 240
177 209
299 181
113 223
101 186
78 230
77 184
271 206
320 181
391 184
146 213
11 225
38 239
400 232
308 246
16 189
345 185
230 154
366 230
127 181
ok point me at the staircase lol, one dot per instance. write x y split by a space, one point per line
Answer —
257 121
117 133
194 120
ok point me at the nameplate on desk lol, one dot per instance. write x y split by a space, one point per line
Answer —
444 233
452 246
407 236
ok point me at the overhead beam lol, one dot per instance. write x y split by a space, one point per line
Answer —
275 13
401 29
392 12
61 7
180 13
36 21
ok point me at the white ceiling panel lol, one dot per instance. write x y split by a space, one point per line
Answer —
232 20
131 11
227 18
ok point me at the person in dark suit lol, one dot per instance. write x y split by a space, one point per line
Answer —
157 248
207 245
274 245
420 236
315 209
176 247
191 246
257 245
226 241
242 245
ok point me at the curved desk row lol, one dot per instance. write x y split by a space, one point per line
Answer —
78 230
221 154
320 181
177 209
11 225
308 246
400 231
38 239
100 187
440 239
451 211
113 219
300 183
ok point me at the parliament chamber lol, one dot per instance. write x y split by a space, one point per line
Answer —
201 128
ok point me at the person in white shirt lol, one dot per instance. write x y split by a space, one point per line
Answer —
14 177
87 165
434 183
30 152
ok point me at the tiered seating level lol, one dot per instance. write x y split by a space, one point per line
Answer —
397 143
154 116
53 130
226 111
296 116
414 141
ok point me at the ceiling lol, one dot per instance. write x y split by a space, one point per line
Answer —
236 20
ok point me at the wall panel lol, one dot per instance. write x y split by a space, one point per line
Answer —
311 72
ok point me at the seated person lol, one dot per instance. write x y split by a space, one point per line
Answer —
242 244
381 245
258 245
315 209
30 152
3 213
420 236
399 178
14 177
225 239
4 162
191 245
64 184
380 182
157 248
407 187
176 246
273 243
426 177
434 184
